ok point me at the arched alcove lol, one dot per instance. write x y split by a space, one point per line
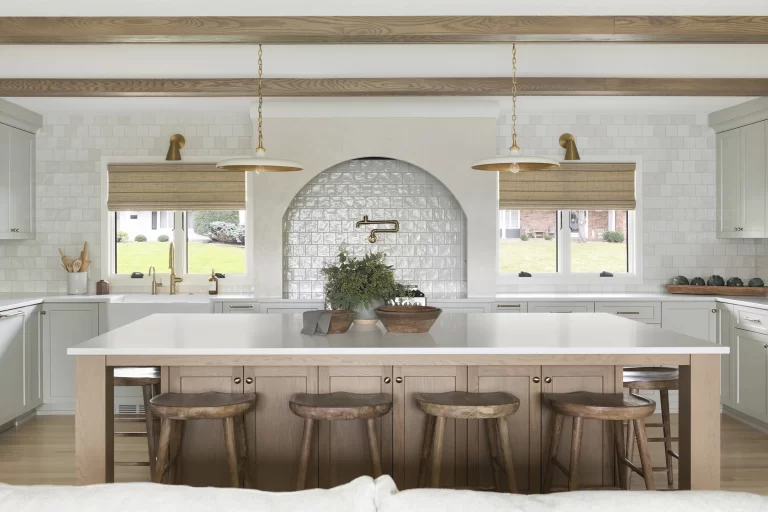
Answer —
429 251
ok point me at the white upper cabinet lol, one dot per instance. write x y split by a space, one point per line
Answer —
742 165
17 171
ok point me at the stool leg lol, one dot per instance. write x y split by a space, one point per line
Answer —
506 453
618 439
557 430
232 458
426 447
630 443
667 428
493 449
373 443
306 447
573 479
437 450
162 450
150 425
645 457
242 444
177 432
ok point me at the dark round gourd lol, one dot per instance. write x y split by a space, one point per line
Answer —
755 282
715 280
698 281
680 280
735 281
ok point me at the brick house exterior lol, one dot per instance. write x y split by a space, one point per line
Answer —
540 221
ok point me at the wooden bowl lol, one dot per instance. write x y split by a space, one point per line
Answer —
408 319
341 321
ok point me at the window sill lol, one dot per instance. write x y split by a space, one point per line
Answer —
123 280
571 279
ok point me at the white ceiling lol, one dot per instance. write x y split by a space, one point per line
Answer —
371 8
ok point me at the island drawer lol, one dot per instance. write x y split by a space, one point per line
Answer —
561 307
648 312
239 308
751 319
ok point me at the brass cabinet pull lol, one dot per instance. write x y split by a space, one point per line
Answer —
12 315
399 380
536 380
507 305
627 312
387 380
231 306
754 320
238 380
547 379
249 380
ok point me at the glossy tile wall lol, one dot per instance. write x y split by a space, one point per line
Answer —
428 251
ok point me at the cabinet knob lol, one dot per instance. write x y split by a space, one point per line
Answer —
238 380
765 345
399 380
547 379
536 380
249 380
714 310
387 380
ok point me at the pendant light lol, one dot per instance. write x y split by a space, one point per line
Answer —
259 162
514 161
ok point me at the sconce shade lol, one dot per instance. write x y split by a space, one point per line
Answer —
174 150
568 142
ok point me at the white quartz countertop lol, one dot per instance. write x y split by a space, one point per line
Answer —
452 334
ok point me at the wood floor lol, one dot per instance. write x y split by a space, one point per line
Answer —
42 451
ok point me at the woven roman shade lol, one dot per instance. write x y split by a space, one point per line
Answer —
573 186
174 186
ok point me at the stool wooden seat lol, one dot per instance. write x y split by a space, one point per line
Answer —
175 408
663 380
339 406
149 381
494 408
615 407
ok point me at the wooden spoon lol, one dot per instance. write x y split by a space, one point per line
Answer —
85 266
76 265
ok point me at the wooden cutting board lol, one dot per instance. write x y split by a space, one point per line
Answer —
743 291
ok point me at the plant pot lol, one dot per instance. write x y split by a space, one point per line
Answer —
367 316
77 283
341 321
408 319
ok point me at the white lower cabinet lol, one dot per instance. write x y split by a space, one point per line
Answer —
561 307
510 307
237 308
462 307
20 363
750 355
696 319
645 312
64 325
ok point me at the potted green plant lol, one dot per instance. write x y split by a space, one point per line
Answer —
359 284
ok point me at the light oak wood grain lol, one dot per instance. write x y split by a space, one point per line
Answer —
94 410
382 29
369 87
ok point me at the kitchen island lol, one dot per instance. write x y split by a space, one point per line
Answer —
524 354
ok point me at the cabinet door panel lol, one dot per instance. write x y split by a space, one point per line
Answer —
274 432
752 138
5 180
697 319
410 423
524 425
203 453
33 394
729 184
344 453
11 365
597 442
22 173
752 373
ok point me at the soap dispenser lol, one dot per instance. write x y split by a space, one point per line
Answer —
213 284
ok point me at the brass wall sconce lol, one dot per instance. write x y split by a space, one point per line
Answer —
372 236
174 150
568 142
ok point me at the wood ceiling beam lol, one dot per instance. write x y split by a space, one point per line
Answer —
383 29
349 87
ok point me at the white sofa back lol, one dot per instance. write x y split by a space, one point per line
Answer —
360 495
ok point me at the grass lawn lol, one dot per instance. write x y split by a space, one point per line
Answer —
139 256
541 256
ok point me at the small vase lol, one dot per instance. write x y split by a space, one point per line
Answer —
77 283
367 315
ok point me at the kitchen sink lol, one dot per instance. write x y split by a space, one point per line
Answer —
142 298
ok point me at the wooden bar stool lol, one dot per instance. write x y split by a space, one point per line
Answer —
339 406
663 380
615 407
174 409
494 408
149 380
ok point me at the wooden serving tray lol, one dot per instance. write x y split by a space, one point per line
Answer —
743 291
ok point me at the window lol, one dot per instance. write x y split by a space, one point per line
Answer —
204 240
566 242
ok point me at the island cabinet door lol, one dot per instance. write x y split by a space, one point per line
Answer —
410 424
274 432
524 382
203 453
597 455
343 445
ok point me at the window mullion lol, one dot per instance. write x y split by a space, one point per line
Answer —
564 243
179 243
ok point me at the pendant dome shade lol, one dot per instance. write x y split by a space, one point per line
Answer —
259 162
515 162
